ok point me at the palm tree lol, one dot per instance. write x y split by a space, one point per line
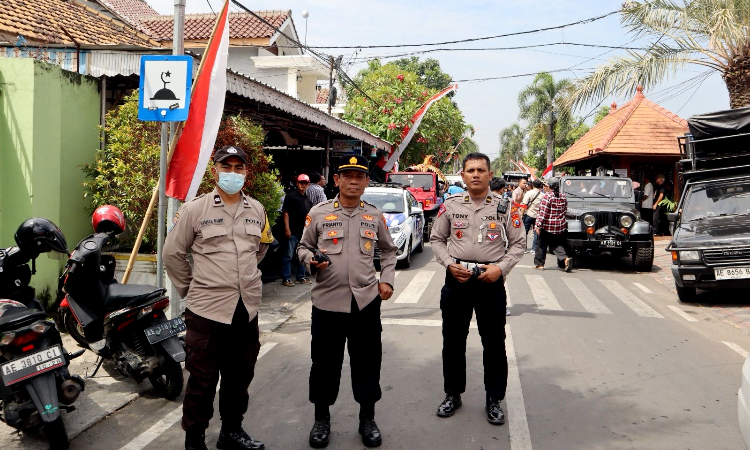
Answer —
709 33
543 103
512 140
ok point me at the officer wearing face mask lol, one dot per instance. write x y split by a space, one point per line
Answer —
227 233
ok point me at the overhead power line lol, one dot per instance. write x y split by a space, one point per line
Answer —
485 38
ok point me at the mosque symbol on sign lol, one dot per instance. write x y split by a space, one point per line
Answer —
164 93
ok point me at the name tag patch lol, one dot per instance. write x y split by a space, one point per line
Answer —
333 225
253 221
216 221
368 225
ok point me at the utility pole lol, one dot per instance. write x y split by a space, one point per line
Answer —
178 48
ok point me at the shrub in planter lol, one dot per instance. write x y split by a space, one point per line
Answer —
125 172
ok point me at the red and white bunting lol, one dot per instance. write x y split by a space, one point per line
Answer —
548 172
386 163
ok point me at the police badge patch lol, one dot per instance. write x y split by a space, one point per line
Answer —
517 223
492 236
459 234
441 209
308 219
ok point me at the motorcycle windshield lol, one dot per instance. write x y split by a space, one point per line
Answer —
9 305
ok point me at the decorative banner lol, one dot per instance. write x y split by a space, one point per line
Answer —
193 150
527 169
408 132
548 172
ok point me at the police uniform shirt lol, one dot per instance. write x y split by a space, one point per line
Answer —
475 233
349 239
227 243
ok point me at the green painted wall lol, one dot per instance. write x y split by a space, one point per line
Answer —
48 129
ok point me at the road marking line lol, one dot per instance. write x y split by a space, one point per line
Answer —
636 304
418 322
682 313
586 297
508 302
742 352
543 295
145 438
643 288
523 266
519 427
416 287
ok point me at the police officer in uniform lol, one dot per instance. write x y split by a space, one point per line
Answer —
346 298
228 234
486 241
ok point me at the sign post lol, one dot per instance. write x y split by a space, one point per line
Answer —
164 96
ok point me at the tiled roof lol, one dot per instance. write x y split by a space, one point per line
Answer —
638 127
321 96
65 22
130 11
199 26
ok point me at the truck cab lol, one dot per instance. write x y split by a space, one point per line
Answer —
711 227
426 187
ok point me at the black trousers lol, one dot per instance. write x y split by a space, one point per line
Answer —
458 301
647 214
660 218
330 331
215 348
556 242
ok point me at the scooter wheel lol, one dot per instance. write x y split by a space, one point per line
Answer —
56 434
169 382
75 330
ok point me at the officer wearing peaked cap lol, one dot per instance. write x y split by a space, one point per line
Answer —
484 235
346 298
227 233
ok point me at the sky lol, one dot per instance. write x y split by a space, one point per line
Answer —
491 105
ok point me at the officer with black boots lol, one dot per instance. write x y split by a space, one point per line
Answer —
346 298
486 240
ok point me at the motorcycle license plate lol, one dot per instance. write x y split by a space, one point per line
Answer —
610 243
32 364
165 330
734 273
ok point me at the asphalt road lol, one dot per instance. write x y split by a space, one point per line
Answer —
600 358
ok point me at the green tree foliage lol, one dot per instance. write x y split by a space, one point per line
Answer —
543 104
125 173
601 113
397 95
709 33
567 134
428 71
512 141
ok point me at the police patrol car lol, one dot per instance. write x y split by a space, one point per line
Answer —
404 218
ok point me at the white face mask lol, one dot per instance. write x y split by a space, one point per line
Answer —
231 182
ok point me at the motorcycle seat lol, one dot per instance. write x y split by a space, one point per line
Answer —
15 319
119 296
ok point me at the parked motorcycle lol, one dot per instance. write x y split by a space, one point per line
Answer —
124 323
36 384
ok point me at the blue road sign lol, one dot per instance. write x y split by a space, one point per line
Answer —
164 94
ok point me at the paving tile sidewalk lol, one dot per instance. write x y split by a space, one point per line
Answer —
109 391
734 310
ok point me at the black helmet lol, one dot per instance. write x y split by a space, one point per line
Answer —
553 183
40 235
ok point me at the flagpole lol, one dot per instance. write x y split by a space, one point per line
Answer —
172 146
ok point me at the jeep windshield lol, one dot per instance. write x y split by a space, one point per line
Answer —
598 188
416 180
705 201
385 201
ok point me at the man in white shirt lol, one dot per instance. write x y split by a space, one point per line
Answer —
647 205
531 201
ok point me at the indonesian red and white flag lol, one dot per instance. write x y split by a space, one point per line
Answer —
193 150
548 172
411 127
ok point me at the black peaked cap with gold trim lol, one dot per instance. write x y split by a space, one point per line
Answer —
353 162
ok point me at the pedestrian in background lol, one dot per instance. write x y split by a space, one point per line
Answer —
315 192
346 298
519 191
473 231
659 210
227 234
294 210
647 205
551 225
455 188
531 201
497 186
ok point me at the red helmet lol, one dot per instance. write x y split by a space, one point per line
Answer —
108 219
